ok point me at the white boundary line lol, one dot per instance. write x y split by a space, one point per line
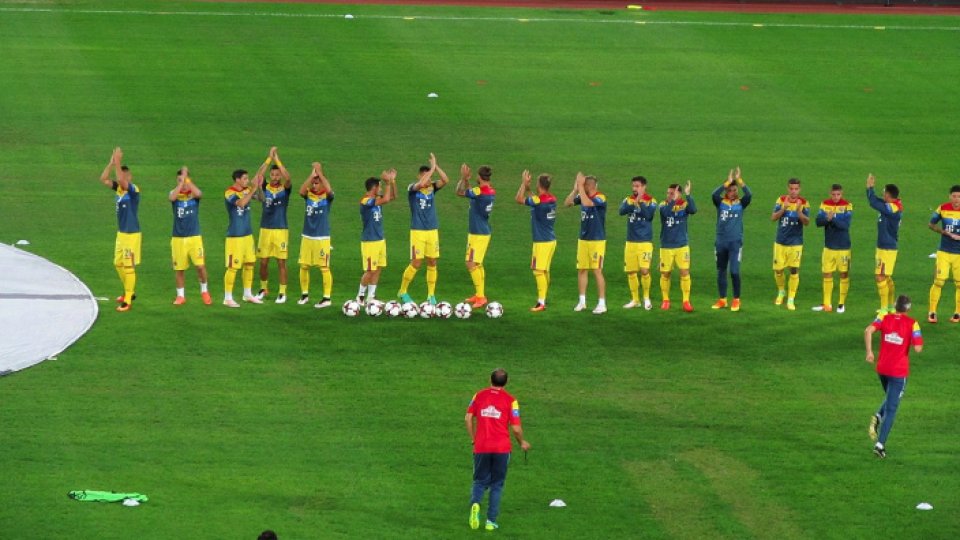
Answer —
639 22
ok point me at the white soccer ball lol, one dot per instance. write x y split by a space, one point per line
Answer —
393 308
351 308
427 310
410 310
494 310
463 310
444 310
374 308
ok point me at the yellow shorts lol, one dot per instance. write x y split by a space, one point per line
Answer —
786 256
637 256
674 256
477 247
273 243
186 250
946 263
835 260
424 244
590 254
886 261
542 256
239 251
315 252
126 251
373 255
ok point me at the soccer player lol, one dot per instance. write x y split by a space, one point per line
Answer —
274 232
424 229
543 214
728 245
640 209
491 416
481 205
792 214
675 243
315 241
126 253
592 243
186 244
946 222
898 332
888 231
238 250
835 216
373 246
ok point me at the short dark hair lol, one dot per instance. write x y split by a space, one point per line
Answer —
424 168
238 174
903 304
179 171
674 186
793 181
642 180
498 378
955 188
484 172
274 167
893 190
267 535
544 181
370 182
836 187
124 168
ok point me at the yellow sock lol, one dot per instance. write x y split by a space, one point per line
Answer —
122 274
408 275
264 284
327 281
547 274
891 293
477 278
283 289
781 281
304 280
685 287
844 288
828 290
130 283
793 283
431 280
665 287
247 276
483 281
956 297
645 282
935 290
634 283
229 278
541 278
882 290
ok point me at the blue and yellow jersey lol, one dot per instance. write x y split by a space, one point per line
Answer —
186 216
239 217
593 219
481 205
543 214
640 213
730 214
949 217
316 217
423 213
371 214
275 201
128 204
789 227
836 232
673 222
888 224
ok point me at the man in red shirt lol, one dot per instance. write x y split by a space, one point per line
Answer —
898 332
491 416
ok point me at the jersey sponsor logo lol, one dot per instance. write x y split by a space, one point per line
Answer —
893 338
491 412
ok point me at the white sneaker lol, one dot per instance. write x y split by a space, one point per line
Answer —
841 308
600 309
252 299
631 304
817 308
647 304
281 299
580 307
261 294
304 299
231 303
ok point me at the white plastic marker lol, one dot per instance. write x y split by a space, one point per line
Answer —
348 16
558 503
131 502
933 255
23 242
433 95
924 506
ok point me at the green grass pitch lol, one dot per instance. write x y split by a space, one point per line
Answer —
648 424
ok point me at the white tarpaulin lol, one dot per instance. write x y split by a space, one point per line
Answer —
43 309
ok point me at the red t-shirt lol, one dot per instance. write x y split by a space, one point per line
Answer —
494 410
898 333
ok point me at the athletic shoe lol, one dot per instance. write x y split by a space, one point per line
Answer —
491 525
205 296
281 299
304 299
324 302
539 307
932 317
432 300
735 305
362 300
600 309
231 303
404 298
579 307
665 305
179 301
253 299
791 306
120 298
631 304
475 516
688 307
262 294
123 307
470 300
647 304
479 301
878 449
841 308
721 303
955 318
826 308
779 300
872 428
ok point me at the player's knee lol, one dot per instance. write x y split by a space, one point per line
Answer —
938 283
539 273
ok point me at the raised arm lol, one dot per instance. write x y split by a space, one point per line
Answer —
181 182
585 201
245 200
576 189
318 169
305 187
691 204
464 184
122 179
521 197
105 175
283 170
389 177
444 179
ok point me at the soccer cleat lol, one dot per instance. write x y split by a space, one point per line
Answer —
735 305
252 299
841 308
538 308
491 525
304 299
872 428
262 294
470 300
475 516
721 303
600 309
432 300
688 307
647 304
955 318
932 317
281 299
880 451
324 302
631 304
665 305
231 303
826 308
579 307
120 298
404 298
779 300
362 300
479 301
179 301
205 296
791 306
123 307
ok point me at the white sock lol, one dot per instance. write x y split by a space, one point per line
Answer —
227 296
372 290
541 301
180 291
583 299
362 291
203 287
602 302
247 292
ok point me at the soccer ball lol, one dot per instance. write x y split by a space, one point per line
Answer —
444 310
494 310
351 308
410 310
463 310
427 310
374 308
392 308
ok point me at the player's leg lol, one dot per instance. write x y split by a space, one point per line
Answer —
631 267
130 257
939 278
472 269
417 248
583 266
481 477
666 266
204 284
233 264
722 255
844 269
779 263
599 249
735 259
198 258
646 260
246 275
683 264
264 278
894 393
326 252
282 243
498 476
282 289
955 269
828 266
179 255
633 283
793 281
432 253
